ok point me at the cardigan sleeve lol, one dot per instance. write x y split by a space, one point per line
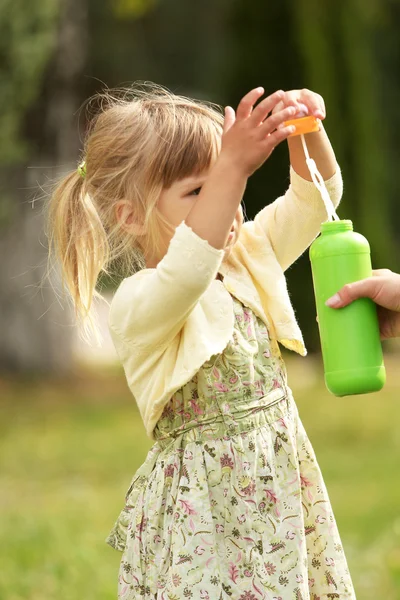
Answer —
149 308
293 221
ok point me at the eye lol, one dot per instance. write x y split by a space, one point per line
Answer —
195 192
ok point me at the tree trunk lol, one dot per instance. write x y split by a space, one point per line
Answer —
36 321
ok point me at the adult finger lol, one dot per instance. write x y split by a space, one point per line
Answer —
389 323
246 104
380 272
365 288
230 118
262 109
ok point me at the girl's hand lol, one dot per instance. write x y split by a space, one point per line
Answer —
250 135
305 102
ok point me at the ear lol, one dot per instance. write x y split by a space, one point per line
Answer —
125 216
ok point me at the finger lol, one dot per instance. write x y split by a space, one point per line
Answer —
246 104
384 320
380 272
275 138
276 121
297 114
230 118
292 98
366 288
389 323
310 100
264 108
301 113
278 107
393 325
322 107
314 102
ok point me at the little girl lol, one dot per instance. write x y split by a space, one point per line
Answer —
229 502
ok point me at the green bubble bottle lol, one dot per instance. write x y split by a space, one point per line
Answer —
350 338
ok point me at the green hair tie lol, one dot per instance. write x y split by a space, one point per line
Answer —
82 169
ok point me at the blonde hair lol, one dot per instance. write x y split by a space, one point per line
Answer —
142 140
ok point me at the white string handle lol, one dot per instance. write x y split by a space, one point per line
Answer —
319 183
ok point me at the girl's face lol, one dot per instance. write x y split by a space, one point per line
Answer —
176 202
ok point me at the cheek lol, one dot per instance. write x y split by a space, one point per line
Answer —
179 212
173 208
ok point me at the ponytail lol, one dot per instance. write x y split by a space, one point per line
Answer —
78 242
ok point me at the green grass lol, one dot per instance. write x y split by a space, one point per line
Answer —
68 450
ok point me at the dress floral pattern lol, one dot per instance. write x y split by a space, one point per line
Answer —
230 502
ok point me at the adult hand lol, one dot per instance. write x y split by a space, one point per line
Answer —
384 289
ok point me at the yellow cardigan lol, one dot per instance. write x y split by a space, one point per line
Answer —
167 322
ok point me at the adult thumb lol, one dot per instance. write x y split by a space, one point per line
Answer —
365 288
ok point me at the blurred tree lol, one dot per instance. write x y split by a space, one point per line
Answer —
45 55
27 39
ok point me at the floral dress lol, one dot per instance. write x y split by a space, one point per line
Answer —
230 502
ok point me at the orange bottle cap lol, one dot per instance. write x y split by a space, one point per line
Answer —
303 125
